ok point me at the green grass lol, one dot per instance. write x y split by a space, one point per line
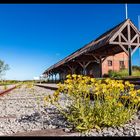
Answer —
123 73
136 73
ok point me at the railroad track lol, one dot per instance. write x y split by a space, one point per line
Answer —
47 86
133 80
7 90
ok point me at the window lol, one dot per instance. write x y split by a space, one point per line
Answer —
122 64
109 63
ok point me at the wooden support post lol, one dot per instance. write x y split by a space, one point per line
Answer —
60 76
84 66
63 76
129 51
48 77
54 77
129 61
72 68
84 71
100 66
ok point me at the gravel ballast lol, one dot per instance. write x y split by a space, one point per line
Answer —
22 111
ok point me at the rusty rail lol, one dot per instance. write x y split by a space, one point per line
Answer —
132 79
46 86
7 91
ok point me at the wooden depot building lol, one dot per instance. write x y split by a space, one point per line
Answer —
112 50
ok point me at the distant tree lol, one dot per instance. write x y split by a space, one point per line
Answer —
135 67
3 68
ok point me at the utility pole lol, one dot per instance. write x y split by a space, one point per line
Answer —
139 30
139 22
126 13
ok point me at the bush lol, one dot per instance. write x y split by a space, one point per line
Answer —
114 103
113 74
136 68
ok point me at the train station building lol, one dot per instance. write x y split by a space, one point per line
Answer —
112 50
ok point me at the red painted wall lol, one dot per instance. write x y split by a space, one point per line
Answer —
115 62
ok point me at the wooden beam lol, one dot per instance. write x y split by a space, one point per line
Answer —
135 29
84 66
85 61
97 59
120 30
134 38
104 59
124 43
69 67
123 37
129 33
123 49
119 38
81 64
87 64
72 68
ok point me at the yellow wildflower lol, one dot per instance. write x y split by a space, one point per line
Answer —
92 80
109 97
127 83
125 97
120 104
74 75
132 93
68 76
135 101
107 80
69 86
138 98
46 98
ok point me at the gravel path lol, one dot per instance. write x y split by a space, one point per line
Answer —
23 111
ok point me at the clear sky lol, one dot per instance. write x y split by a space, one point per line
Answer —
35 36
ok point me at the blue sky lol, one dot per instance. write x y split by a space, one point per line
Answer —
35 36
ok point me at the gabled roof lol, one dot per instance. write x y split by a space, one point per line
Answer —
93 45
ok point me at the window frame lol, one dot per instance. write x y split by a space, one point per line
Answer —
121 65
110 63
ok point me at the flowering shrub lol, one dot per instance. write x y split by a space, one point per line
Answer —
96 103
